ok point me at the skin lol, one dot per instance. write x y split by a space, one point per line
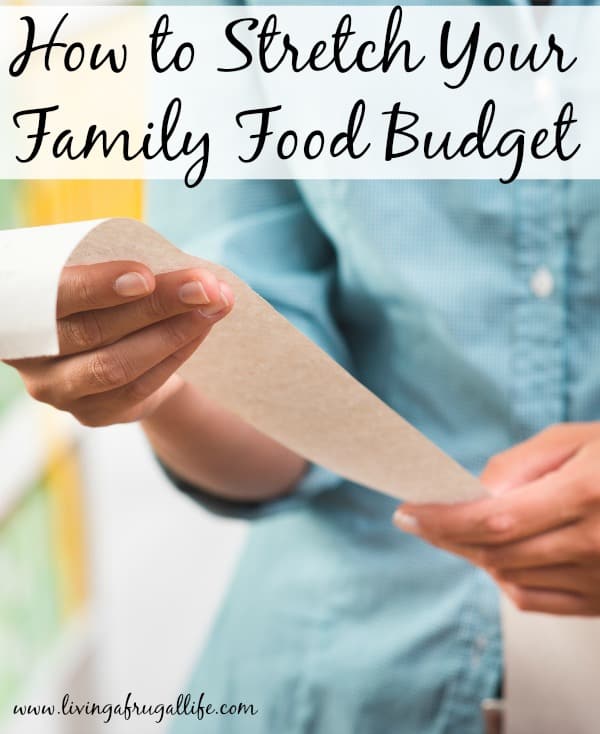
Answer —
123 333
538 531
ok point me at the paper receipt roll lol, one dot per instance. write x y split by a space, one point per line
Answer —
260 367
254 363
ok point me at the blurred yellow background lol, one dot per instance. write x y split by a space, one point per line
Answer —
44 591
98 553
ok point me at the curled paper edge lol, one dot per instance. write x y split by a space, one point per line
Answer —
254 363
260 367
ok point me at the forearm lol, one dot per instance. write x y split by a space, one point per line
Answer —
217 451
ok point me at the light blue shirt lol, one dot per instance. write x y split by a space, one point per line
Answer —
472 309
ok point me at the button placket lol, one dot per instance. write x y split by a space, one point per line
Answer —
539 315
542 282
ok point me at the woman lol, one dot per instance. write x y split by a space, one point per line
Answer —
470 307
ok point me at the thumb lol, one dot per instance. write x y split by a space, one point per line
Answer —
543 453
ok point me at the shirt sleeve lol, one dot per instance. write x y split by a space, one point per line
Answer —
264 232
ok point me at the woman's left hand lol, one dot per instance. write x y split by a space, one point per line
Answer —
538 533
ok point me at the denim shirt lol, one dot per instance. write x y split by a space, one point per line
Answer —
472 309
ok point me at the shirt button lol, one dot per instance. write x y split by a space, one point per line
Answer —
480 643
542 283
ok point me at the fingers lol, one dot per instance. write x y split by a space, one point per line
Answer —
532 459
576 543
123 362
558 499
554 501
138 398
551 602
126 353
561 577
63 381
90 287
174 293
541 539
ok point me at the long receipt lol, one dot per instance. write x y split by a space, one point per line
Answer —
258 366
254 363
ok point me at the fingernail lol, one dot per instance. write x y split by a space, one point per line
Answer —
193 293
409 523
224 298
131 284
213 309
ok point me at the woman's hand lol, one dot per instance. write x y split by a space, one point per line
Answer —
123 333
538 535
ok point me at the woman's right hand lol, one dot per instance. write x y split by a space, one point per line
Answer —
123 333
